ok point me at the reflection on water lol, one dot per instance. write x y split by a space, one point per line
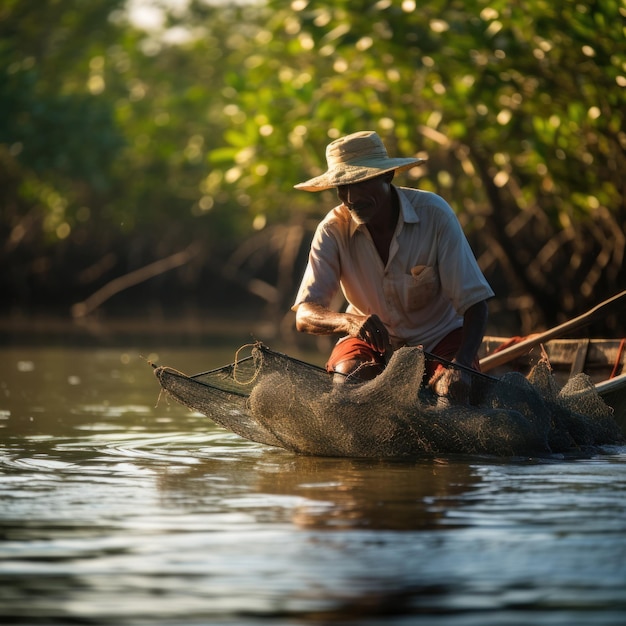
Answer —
336 494
119 507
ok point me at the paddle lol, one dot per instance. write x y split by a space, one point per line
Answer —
508 354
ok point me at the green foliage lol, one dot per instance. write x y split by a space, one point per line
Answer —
57 140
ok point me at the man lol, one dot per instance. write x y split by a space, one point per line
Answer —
401 259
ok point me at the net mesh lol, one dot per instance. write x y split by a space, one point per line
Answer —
277 400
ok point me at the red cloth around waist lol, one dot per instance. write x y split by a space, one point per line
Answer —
351 348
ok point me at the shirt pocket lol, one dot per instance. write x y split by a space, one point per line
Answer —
420 286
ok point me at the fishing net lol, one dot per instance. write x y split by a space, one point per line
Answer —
277 400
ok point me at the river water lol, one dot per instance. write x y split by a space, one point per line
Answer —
119 507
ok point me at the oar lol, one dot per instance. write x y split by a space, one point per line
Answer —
508 354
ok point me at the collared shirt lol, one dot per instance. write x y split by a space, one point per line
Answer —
431 277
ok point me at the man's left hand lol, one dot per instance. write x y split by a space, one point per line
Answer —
453 383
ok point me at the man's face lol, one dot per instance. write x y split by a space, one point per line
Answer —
365 199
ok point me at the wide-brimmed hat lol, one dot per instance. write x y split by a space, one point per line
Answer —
355 158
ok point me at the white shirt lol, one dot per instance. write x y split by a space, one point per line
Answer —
431 277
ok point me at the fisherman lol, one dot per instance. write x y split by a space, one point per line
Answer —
401 259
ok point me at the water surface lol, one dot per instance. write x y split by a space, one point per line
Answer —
119 507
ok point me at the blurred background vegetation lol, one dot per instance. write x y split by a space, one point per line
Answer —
147 166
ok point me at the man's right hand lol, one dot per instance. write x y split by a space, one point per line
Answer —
372 330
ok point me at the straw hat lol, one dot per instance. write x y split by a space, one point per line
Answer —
353 159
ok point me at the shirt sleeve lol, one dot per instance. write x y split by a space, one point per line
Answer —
320 282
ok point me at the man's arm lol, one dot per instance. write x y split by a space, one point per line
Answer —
453 382
474 327
318 320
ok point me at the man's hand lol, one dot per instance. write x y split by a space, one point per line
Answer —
452 383
372 330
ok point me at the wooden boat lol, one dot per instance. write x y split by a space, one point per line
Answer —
603 360
280 401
